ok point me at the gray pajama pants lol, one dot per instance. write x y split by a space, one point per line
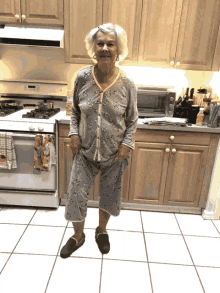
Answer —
84 172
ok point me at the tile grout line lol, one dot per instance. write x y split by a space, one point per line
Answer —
18 242
189 252
100 282
215 226
56 258
146 253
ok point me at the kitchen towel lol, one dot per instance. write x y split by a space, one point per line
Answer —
7 151
44 152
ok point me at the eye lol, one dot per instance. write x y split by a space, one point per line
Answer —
111 45
100 43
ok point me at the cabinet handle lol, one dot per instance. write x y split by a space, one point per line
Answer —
23 16
17 16
172 137
172 63
177 63
173 150
167 150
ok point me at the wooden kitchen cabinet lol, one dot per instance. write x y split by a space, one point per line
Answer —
36 12
186 169
171 168
127 14
80 17
159 32
65 163
166 169
148 172
179 33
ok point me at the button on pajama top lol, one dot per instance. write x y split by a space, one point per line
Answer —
103 119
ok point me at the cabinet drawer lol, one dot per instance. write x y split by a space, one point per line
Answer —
192 138
64 130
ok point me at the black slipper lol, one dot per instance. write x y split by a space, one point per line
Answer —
102 240
71 246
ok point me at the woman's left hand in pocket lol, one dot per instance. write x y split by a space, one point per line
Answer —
123 152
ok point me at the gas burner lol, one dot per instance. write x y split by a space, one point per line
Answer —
6 109
41 113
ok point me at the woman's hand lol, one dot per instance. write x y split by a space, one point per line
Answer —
123 152
75 143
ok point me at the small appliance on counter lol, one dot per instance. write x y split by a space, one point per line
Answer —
155 102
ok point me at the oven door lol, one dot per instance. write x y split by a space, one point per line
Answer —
29 186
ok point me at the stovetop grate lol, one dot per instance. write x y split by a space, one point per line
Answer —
9 110
41 114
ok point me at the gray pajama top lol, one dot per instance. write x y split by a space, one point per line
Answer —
103 119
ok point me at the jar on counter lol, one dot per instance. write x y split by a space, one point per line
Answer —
200 117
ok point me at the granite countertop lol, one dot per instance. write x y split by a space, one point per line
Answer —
194 128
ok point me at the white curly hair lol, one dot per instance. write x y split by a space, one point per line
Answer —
121 37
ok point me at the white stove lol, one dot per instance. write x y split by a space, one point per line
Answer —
25 183
15 122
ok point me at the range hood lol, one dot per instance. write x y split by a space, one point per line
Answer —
29 36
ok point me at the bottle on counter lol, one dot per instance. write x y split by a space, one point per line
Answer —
200 117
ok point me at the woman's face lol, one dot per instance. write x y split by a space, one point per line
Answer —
106 47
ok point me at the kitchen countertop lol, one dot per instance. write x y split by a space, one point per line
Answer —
194 128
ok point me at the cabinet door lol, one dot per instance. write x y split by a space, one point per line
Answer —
80 17
198 34
65 168
159 32
127 14
8 10
42 12
185 175
149 172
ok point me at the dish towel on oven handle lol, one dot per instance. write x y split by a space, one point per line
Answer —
7 151
44 152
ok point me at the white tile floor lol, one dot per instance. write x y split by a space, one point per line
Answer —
151 252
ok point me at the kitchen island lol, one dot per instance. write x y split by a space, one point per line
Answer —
172 169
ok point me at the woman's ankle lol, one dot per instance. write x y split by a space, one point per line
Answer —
78 236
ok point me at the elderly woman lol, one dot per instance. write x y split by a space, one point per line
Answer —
102 127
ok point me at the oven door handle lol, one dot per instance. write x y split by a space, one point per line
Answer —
26 134
22 135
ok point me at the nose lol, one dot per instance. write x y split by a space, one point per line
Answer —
104 47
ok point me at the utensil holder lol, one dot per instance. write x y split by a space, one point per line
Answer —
213 117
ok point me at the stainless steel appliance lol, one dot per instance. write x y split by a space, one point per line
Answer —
24 112
155 102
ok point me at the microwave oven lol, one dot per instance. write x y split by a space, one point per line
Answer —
155 102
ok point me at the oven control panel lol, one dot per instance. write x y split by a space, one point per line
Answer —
35 88
31 88
29 127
